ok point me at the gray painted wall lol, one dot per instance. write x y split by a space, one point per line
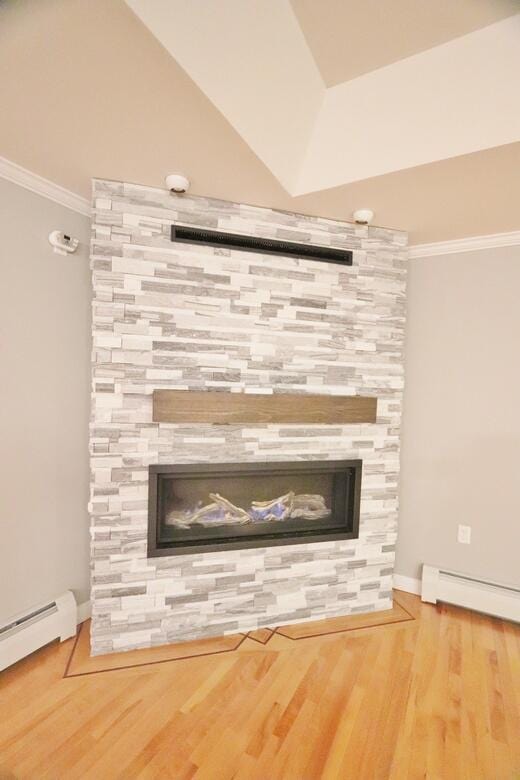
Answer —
45 392
460 457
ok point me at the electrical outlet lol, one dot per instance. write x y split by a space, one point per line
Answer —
464 534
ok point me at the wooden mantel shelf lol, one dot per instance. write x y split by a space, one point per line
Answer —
183 406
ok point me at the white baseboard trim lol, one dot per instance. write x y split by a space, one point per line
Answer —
35 627
408 584
469 244
48 189
84 611
465 590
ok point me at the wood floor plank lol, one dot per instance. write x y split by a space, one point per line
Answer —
437 696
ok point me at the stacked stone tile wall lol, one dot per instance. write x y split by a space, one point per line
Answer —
189 317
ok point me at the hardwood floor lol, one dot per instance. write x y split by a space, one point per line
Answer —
436 697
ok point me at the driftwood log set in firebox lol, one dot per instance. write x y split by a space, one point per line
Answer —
220 511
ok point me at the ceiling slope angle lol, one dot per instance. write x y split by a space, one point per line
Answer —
250 58
457 98
376 33
252 61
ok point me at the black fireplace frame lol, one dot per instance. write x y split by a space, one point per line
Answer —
229 539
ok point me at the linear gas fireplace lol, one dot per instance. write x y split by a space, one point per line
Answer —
209 507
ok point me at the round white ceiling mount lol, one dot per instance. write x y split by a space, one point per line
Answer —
363 216
178 183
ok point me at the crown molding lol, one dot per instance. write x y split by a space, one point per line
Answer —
469 244
47 189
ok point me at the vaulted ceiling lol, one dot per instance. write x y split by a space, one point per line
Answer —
319 107
348 39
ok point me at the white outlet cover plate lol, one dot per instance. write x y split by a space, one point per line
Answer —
464 534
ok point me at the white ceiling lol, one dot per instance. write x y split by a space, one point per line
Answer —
251 60
350 38
91 92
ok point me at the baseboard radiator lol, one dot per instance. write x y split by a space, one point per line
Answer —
463 590
24 633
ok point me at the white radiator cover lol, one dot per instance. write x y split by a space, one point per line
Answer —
24 633
463 590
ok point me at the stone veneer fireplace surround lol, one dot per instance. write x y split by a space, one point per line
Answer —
177 316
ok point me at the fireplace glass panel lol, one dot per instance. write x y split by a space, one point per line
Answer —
194 508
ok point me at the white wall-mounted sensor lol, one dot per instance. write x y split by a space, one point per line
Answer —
363 216
178 183
62 243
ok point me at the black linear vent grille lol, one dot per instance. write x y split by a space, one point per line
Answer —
266 246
